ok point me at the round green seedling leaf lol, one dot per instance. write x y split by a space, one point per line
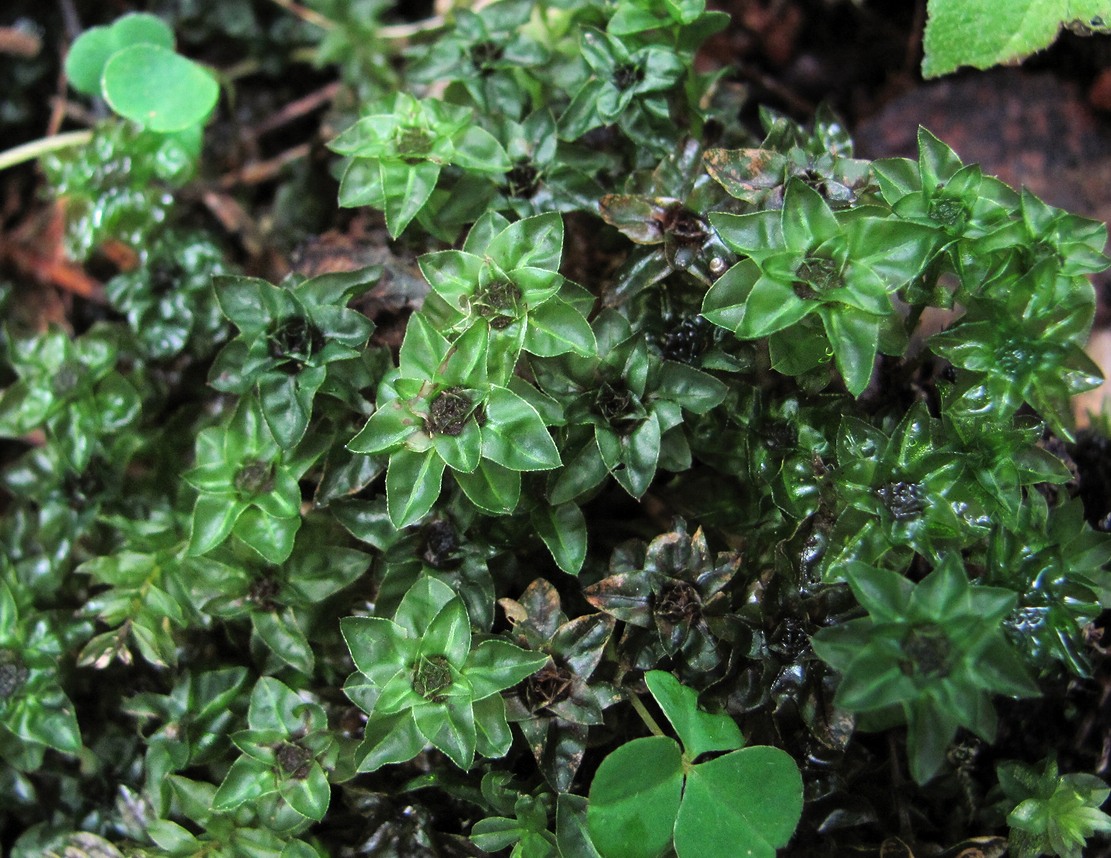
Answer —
634 798
140 28
746 803
86 59
158 88
91 51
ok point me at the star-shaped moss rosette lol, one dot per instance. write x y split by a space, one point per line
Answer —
506 277
35 713
941 192
450 545
546 174
671 593
623 87
685 22
423 681
665 214
907 491
1022 341
398 151
556 706
282 602
441 549
487 54
247 486
187 726
1050 813
806 261
168 300
1042 231
288 337
931 654
516 819
70 388
623 408
1057 563
823 159
440 412
286 753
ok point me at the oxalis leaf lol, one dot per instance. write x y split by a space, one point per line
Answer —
649 793
158 88
984 33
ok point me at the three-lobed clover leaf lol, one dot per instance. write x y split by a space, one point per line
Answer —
398 151
423 681
440 412
930 654
653 792
289 335
807 260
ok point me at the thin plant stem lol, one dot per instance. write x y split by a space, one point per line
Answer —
42 146
645 716
306 14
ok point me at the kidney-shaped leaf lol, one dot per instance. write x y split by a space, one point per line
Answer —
161 90
699 731
744 803
634 798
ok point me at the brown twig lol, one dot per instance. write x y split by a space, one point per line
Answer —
296 109
35 249
256 172
19 43
796 103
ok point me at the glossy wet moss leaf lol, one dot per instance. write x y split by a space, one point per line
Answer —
563 529
161 90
